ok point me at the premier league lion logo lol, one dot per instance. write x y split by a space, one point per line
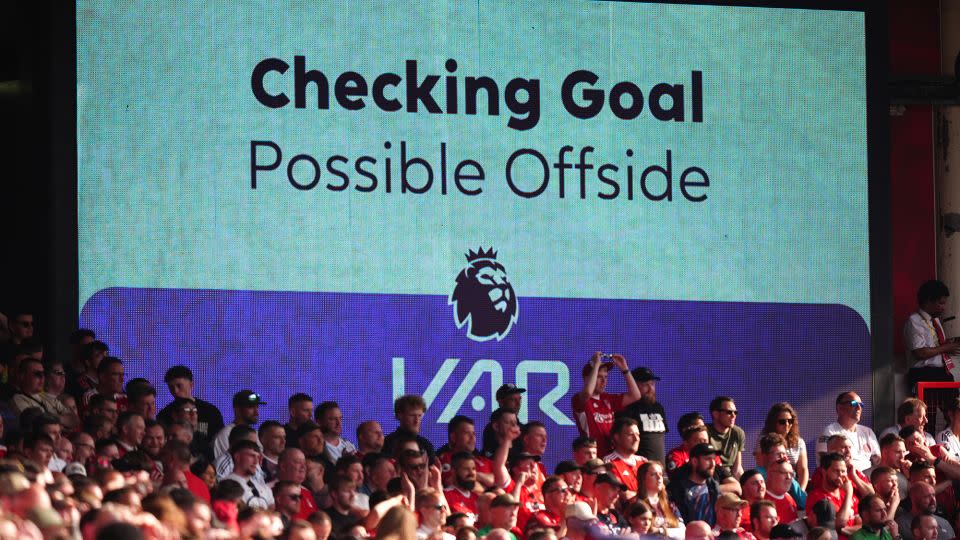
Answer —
483 298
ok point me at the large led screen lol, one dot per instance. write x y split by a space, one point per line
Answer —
360 200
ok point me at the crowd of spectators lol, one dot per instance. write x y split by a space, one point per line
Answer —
88 455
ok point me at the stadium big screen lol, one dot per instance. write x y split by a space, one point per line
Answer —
360 200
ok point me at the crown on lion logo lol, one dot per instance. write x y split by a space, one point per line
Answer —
481 254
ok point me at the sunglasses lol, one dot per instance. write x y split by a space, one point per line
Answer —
729 412
785 421
189 410
856 404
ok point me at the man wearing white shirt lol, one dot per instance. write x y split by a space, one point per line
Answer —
866 450
331 423
912 412
927 347
246 458
246 412
950 437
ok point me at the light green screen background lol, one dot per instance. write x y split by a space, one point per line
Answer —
166 116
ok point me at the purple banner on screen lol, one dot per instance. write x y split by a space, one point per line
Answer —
361 350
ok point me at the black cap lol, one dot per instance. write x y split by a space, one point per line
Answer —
703 449
642 374
607 478
517 456
247 398
507 389
784 531
565 467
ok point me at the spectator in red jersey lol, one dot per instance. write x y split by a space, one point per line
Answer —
461 493
624 461
109 383
556 496
763 518
837 489
462 437
693 431
292 467
524 486
584 449
754 489
593 408
840 444
780 477
175 457
937 455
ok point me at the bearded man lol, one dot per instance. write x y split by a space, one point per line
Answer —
649 414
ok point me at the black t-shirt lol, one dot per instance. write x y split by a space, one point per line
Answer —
339 522
653 427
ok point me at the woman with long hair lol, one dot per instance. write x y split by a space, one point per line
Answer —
651 490
782 419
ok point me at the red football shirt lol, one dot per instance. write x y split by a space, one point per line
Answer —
594 417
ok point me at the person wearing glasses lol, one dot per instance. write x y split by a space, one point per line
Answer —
207 421
779 479
30 378
865 452
782 419
246 460
288 498
433 515
725 435
556 496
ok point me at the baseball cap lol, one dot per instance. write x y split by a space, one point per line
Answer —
703 449
518 456
507 389
247 398
595 463
643 374
504 499
579 510
586 368
730 500
75 468
607 478
565 467
784 531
